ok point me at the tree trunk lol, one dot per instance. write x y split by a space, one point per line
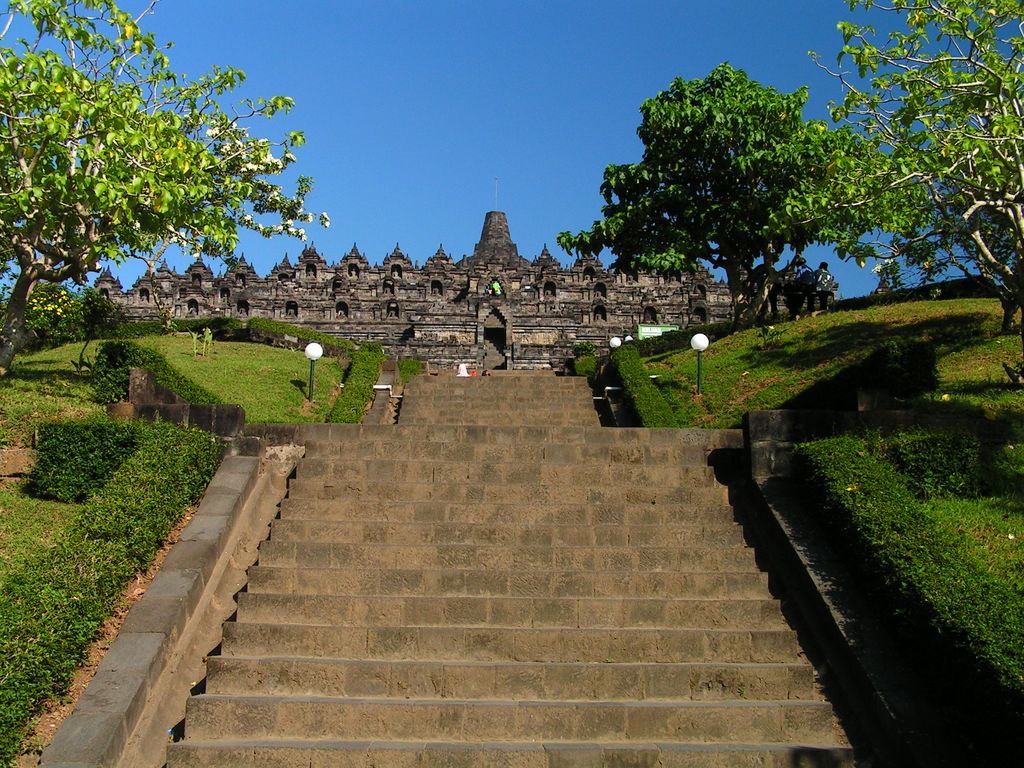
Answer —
749 290
15 335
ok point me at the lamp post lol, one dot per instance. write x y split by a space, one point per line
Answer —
699 343
313 353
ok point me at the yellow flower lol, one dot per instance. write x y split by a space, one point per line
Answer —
945 398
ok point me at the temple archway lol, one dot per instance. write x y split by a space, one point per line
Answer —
495 341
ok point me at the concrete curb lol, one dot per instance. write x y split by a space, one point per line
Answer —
96 732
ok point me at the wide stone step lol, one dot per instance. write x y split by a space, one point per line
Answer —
356 435
227 675
548 453
503 473
707 507
254 717
514 493
513 612
717 531
483 417
513 583
706 557
327 753
564 644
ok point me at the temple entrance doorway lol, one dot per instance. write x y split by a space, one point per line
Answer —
495 342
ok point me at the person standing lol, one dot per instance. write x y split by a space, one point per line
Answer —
825 286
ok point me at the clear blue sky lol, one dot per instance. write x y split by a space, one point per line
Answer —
411 110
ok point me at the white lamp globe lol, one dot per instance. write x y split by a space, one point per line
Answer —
314 351
628 339
614 342
699 342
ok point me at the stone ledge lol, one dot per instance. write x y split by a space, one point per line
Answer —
887 702
96 732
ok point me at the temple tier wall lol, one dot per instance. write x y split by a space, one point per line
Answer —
492 308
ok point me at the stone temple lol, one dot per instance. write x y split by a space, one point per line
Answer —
494 309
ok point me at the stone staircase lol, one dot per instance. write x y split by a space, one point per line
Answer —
497 581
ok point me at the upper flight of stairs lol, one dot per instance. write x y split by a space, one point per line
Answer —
498 581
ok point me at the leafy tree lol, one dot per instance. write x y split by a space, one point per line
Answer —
943 96
731 175
107 153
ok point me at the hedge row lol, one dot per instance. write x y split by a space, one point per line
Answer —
142 328
586 365
51 608
953 613
650 406
675 340
75 458
362 374
407 368
303 334
115 358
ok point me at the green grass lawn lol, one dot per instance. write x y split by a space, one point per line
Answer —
268 382
27 526
759 370
42 386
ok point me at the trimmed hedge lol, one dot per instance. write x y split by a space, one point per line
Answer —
407 368
586 365
143 328
115 358
51 608
362 374
676 340
650 406
299 332
75 458
937 465
904 368
952 613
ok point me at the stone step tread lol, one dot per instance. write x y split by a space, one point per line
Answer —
511 612
409 473
210 715
438 460
330 753
713 509
420 754
399 532
351 434
508 680
512 644
519 493
551 454
706 556
409 581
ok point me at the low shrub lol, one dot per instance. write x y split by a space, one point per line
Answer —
905 369
363 373
142 328
301 333
116 358
952 611
51 607
586 365
75 458
407 368
676 340
651 407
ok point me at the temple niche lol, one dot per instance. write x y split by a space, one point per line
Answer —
493 308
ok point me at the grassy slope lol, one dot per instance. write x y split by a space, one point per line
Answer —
268 382
740 375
